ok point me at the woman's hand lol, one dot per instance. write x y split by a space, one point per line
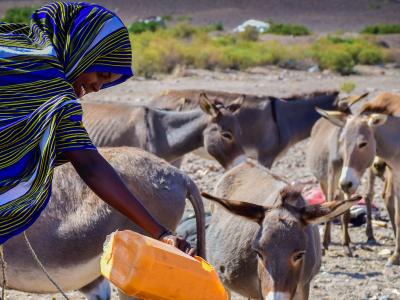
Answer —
177 242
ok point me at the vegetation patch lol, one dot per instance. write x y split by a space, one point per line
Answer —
348 87
190 46
381 29
288 29
342 54
19 14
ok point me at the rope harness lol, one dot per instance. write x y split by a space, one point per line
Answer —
36 258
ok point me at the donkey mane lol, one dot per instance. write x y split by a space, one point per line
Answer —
187 93
385 103
308 96
290 196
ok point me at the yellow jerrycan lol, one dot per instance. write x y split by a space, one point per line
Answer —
152 270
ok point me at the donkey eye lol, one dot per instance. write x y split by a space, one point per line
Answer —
298 256
227 135
362 144
258 254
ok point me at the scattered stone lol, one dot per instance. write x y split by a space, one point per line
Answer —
314 69
384 253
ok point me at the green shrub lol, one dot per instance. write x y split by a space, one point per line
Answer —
288 29
348 87
190 46
370 56
382 29
19 14
335 39
341 54
219 26
184 30
250 33
142 26
333 57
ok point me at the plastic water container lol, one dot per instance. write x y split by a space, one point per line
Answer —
149 269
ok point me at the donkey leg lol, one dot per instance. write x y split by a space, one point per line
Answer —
329 190
97 290
327 235
388 198
345 233
368 200
395 258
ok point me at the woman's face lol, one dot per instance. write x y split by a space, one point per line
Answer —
92 82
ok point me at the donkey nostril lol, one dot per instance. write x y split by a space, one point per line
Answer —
346 185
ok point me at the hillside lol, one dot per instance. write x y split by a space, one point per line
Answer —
319 15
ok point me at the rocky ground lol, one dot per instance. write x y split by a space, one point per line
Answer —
363 276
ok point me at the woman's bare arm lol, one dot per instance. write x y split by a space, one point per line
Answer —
100 176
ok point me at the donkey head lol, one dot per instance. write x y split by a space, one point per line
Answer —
281 240
357 142
221 137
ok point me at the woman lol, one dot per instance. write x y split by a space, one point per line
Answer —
69 50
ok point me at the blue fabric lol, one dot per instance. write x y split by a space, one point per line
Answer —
40 116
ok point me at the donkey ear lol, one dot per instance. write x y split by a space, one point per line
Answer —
315 214
354 99
337 118
375 120
182 103
207 105
236 104
248 210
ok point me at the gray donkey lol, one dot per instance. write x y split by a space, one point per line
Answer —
271 124
325 160
167 134
374 131
68 237
276 252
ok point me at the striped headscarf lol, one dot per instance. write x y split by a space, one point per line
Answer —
40 117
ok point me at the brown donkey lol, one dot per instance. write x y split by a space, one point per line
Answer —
374 131
276 252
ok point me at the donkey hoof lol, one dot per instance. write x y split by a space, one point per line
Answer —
372 242
347 251
325 245
393 260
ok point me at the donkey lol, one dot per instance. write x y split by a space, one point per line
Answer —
324 159
276 252
272 124
372 132
69 236
167 134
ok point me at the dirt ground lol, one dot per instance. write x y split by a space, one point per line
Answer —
361 277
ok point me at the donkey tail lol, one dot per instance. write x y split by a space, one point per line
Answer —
197 202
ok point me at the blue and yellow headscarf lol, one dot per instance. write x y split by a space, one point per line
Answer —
40 117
